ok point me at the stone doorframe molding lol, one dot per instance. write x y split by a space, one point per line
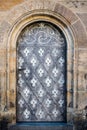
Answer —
49 16
68 22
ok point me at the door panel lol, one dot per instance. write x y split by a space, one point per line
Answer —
41 74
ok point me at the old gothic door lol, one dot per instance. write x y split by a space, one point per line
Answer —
41 74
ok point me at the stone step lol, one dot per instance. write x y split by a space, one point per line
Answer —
26 126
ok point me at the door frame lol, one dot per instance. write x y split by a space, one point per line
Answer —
62 23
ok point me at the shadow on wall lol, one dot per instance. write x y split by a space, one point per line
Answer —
80 122
4 124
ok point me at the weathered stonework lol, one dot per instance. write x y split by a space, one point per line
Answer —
71 17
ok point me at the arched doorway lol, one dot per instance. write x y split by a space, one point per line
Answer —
41 74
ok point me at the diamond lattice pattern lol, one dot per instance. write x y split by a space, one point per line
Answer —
41 72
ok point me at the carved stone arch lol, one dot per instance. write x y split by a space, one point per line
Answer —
35 17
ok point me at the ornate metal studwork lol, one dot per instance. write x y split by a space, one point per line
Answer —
41 71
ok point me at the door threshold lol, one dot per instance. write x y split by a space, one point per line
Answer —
41 126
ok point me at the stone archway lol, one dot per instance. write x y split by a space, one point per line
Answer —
55 20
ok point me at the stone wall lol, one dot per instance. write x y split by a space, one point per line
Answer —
74 13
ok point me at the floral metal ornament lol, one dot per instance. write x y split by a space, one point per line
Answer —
41 73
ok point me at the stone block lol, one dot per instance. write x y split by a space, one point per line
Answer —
82 99
15 13
66 13
83 17
8 4
80 34
2 60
